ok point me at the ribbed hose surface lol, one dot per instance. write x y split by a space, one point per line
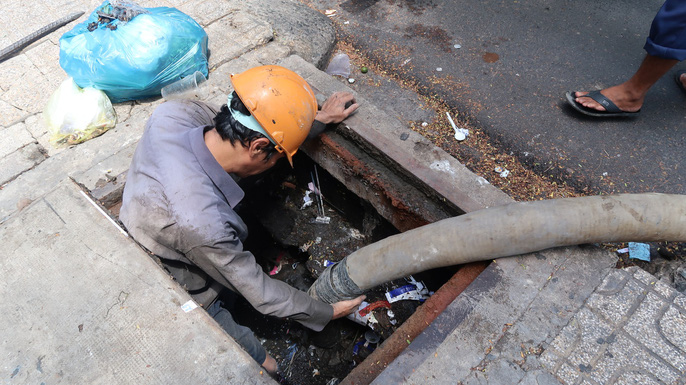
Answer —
8 51
514 229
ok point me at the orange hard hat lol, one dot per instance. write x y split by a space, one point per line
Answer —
282 103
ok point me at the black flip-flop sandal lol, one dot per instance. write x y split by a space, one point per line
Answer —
611 109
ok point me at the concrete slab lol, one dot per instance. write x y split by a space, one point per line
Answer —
416 154
586 323
307 32
16 137
83 303
19 161
242 29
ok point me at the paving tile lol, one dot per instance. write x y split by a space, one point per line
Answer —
624 354
31 93
664 289
594 331
206 12
567 374
644 326
155 3
12 70
235 35
613 300
637 378
45 57
19 161
680 301
672 326
644 277
38 128
14 138
9 114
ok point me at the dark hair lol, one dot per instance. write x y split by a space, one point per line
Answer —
230 129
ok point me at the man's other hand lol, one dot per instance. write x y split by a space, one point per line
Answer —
334 109
343 308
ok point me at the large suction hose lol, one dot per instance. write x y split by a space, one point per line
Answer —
504 231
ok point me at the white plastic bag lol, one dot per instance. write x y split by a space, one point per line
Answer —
75 114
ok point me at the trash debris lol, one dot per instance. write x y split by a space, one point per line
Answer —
457 46
460 133
439 69
623 251
315 372
502 171
188 306
309 244
405 62
391 317
277 266
414 290
339 65
307 200
74 115
331 12
364 315
316 187
322 220
367 345
364 69
404 136
424 124
131 62
328 263
356 234
639 251
371 337
120 10
351 80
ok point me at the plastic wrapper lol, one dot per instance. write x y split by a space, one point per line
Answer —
74 115
135 57
339 65
414 290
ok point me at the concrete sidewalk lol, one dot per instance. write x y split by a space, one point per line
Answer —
559 316
83 304
562 316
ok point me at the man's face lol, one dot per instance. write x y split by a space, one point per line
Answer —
258 165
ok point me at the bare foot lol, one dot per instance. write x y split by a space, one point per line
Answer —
621 95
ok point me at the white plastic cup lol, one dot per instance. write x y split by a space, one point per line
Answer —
190 87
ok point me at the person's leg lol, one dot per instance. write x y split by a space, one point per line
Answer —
665 46
629 95
243 335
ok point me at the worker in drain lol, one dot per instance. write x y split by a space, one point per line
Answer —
180 196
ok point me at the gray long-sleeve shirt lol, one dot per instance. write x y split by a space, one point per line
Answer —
178 202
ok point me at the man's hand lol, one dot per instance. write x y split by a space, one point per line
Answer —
343 308
334 108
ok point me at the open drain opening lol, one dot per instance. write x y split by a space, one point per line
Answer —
292 245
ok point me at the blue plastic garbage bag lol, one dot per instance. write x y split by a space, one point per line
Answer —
134 59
